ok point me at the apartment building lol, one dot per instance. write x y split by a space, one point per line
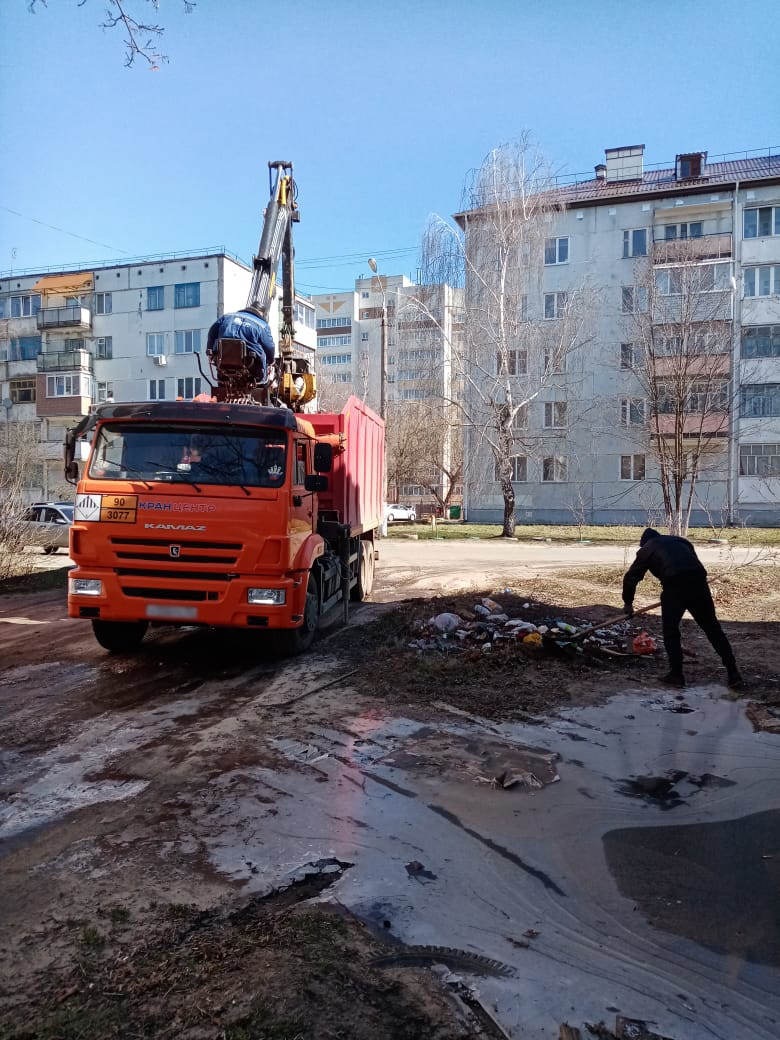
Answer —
628 228
413 329
70 339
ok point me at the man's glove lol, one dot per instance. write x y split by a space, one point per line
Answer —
628 610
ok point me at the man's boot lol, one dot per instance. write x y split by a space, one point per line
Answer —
735 680
674 679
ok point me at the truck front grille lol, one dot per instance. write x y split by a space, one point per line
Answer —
153 550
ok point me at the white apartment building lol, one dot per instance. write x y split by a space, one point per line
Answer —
625 220
70 339
420 325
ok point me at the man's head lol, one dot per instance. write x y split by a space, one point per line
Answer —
647 534
255 308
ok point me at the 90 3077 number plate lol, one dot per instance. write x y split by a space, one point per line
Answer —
119 509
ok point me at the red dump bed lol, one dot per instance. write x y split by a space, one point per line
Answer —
355 484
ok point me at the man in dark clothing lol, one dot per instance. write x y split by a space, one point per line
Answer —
250 326
684 587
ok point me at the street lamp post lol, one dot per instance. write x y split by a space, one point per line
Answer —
383 343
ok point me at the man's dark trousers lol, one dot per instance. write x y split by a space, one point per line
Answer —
691 593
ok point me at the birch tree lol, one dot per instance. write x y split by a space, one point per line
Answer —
516 336
682 361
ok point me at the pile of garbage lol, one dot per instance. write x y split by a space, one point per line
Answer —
487 626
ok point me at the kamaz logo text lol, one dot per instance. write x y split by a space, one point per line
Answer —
175 527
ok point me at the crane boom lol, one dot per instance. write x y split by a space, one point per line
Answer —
289 381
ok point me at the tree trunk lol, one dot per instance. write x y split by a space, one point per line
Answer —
508 490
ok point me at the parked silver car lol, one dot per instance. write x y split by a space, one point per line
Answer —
48 524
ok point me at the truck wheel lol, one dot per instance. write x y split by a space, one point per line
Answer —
119 636
365 576
297 640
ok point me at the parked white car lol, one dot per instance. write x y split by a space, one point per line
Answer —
48 524
395 512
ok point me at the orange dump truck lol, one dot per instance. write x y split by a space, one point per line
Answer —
232 515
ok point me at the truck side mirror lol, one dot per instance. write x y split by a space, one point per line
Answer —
72 472
314 482
323 458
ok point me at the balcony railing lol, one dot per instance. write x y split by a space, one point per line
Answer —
65 361
64 318
705 247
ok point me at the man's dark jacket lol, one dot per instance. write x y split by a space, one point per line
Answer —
669 558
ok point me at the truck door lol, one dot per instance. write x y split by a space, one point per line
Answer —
302 505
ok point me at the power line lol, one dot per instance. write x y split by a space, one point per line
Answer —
63 231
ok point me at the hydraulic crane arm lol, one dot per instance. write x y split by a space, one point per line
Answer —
276 238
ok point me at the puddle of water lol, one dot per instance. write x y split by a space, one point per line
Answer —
544 879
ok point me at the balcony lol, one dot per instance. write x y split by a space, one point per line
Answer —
65 361
705 247
65 318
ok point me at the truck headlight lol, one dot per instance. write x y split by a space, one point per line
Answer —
257 597
86 587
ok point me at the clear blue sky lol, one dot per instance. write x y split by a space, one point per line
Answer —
382 107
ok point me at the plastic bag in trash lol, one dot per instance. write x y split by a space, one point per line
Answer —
644 644
533 639
446 623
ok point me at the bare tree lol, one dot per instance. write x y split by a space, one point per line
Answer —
682 361
424 448
516 336
19 470
141 38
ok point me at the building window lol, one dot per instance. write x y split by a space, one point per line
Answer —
762 281
555 415
516 360
554 361
519 473
759 460
633 299
74 343
103 303
364 337
155 298
364 295
336 359
761 341
688 166
188 387
186 294
411 395
761 222
22 391
72 385
156 389
104 391
20 348
155 344
304 315
345 377
760 401
632 411
556 251
25 306
631 356
333 323
334 341
635 242
187 341
555 469
104 347
632 467
554 304
692 229
706 396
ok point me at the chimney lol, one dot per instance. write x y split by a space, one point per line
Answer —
601 172
624 164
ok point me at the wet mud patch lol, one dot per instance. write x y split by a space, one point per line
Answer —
271 968
716 884
673 788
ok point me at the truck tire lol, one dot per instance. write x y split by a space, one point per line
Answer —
119 636
295 641
365 575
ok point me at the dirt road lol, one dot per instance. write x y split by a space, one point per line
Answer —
200 840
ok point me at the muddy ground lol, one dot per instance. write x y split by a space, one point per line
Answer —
125 914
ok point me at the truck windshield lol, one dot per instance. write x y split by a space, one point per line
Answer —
227 456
